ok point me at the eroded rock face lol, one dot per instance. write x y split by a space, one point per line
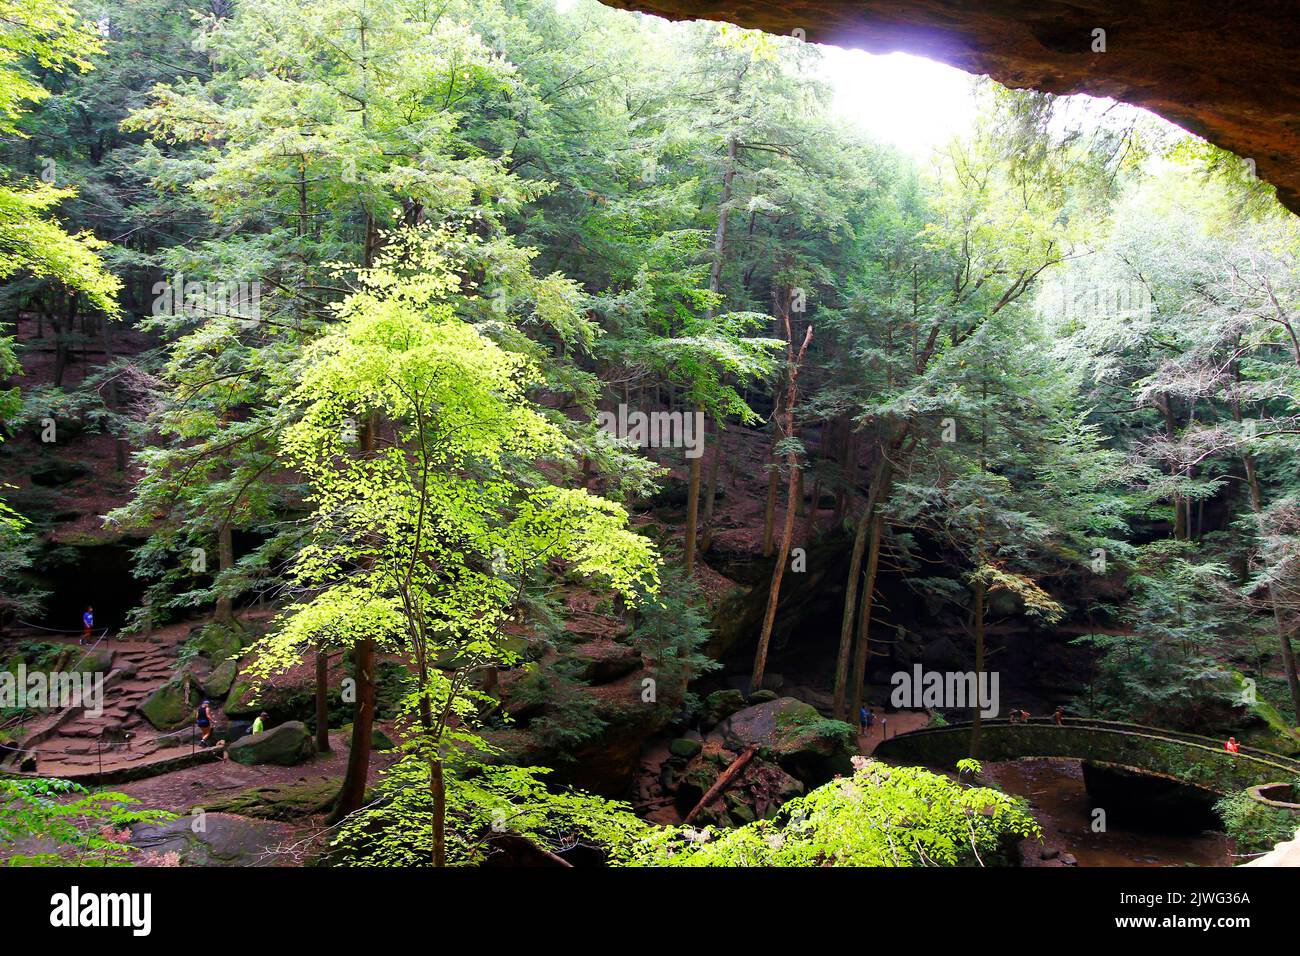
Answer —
223 840
1226 71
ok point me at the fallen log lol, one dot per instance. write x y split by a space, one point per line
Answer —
723 781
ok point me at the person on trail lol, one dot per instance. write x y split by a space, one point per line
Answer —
1232 746
259 724
87 624
862 720
871 720
1058 716
204 722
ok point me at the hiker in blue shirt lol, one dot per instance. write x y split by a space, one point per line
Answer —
87 624
867 719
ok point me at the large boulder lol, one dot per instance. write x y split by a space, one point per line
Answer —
286 744
171 705
219 681
795 735
216 642
97 661
722 704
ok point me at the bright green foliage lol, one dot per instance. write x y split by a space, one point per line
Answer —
53 35
70 825
1254 827
881 816
440 523
427 537
486 803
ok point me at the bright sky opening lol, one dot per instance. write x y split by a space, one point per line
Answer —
911 102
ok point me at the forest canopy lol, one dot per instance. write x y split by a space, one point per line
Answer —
353 290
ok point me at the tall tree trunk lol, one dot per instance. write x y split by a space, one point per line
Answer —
778 572
322 699
979 663
224 612
787 530
692 511
877 493
862 659
353 792
711 489
769 509
724 214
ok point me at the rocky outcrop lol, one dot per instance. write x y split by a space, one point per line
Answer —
171 705
215 839
290 801
793 734
794 749
286 745
1225 71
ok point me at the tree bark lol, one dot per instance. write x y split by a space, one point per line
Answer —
711 490
863 656
787 531
353 792
723 781
322 700
692 512
879 483
979 663
224 612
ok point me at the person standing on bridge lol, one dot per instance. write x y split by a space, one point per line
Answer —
1232 746
1058 715
87 624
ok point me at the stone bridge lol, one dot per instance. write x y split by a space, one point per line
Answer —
1187 758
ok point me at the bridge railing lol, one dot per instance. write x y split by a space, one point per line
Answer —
1118 726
